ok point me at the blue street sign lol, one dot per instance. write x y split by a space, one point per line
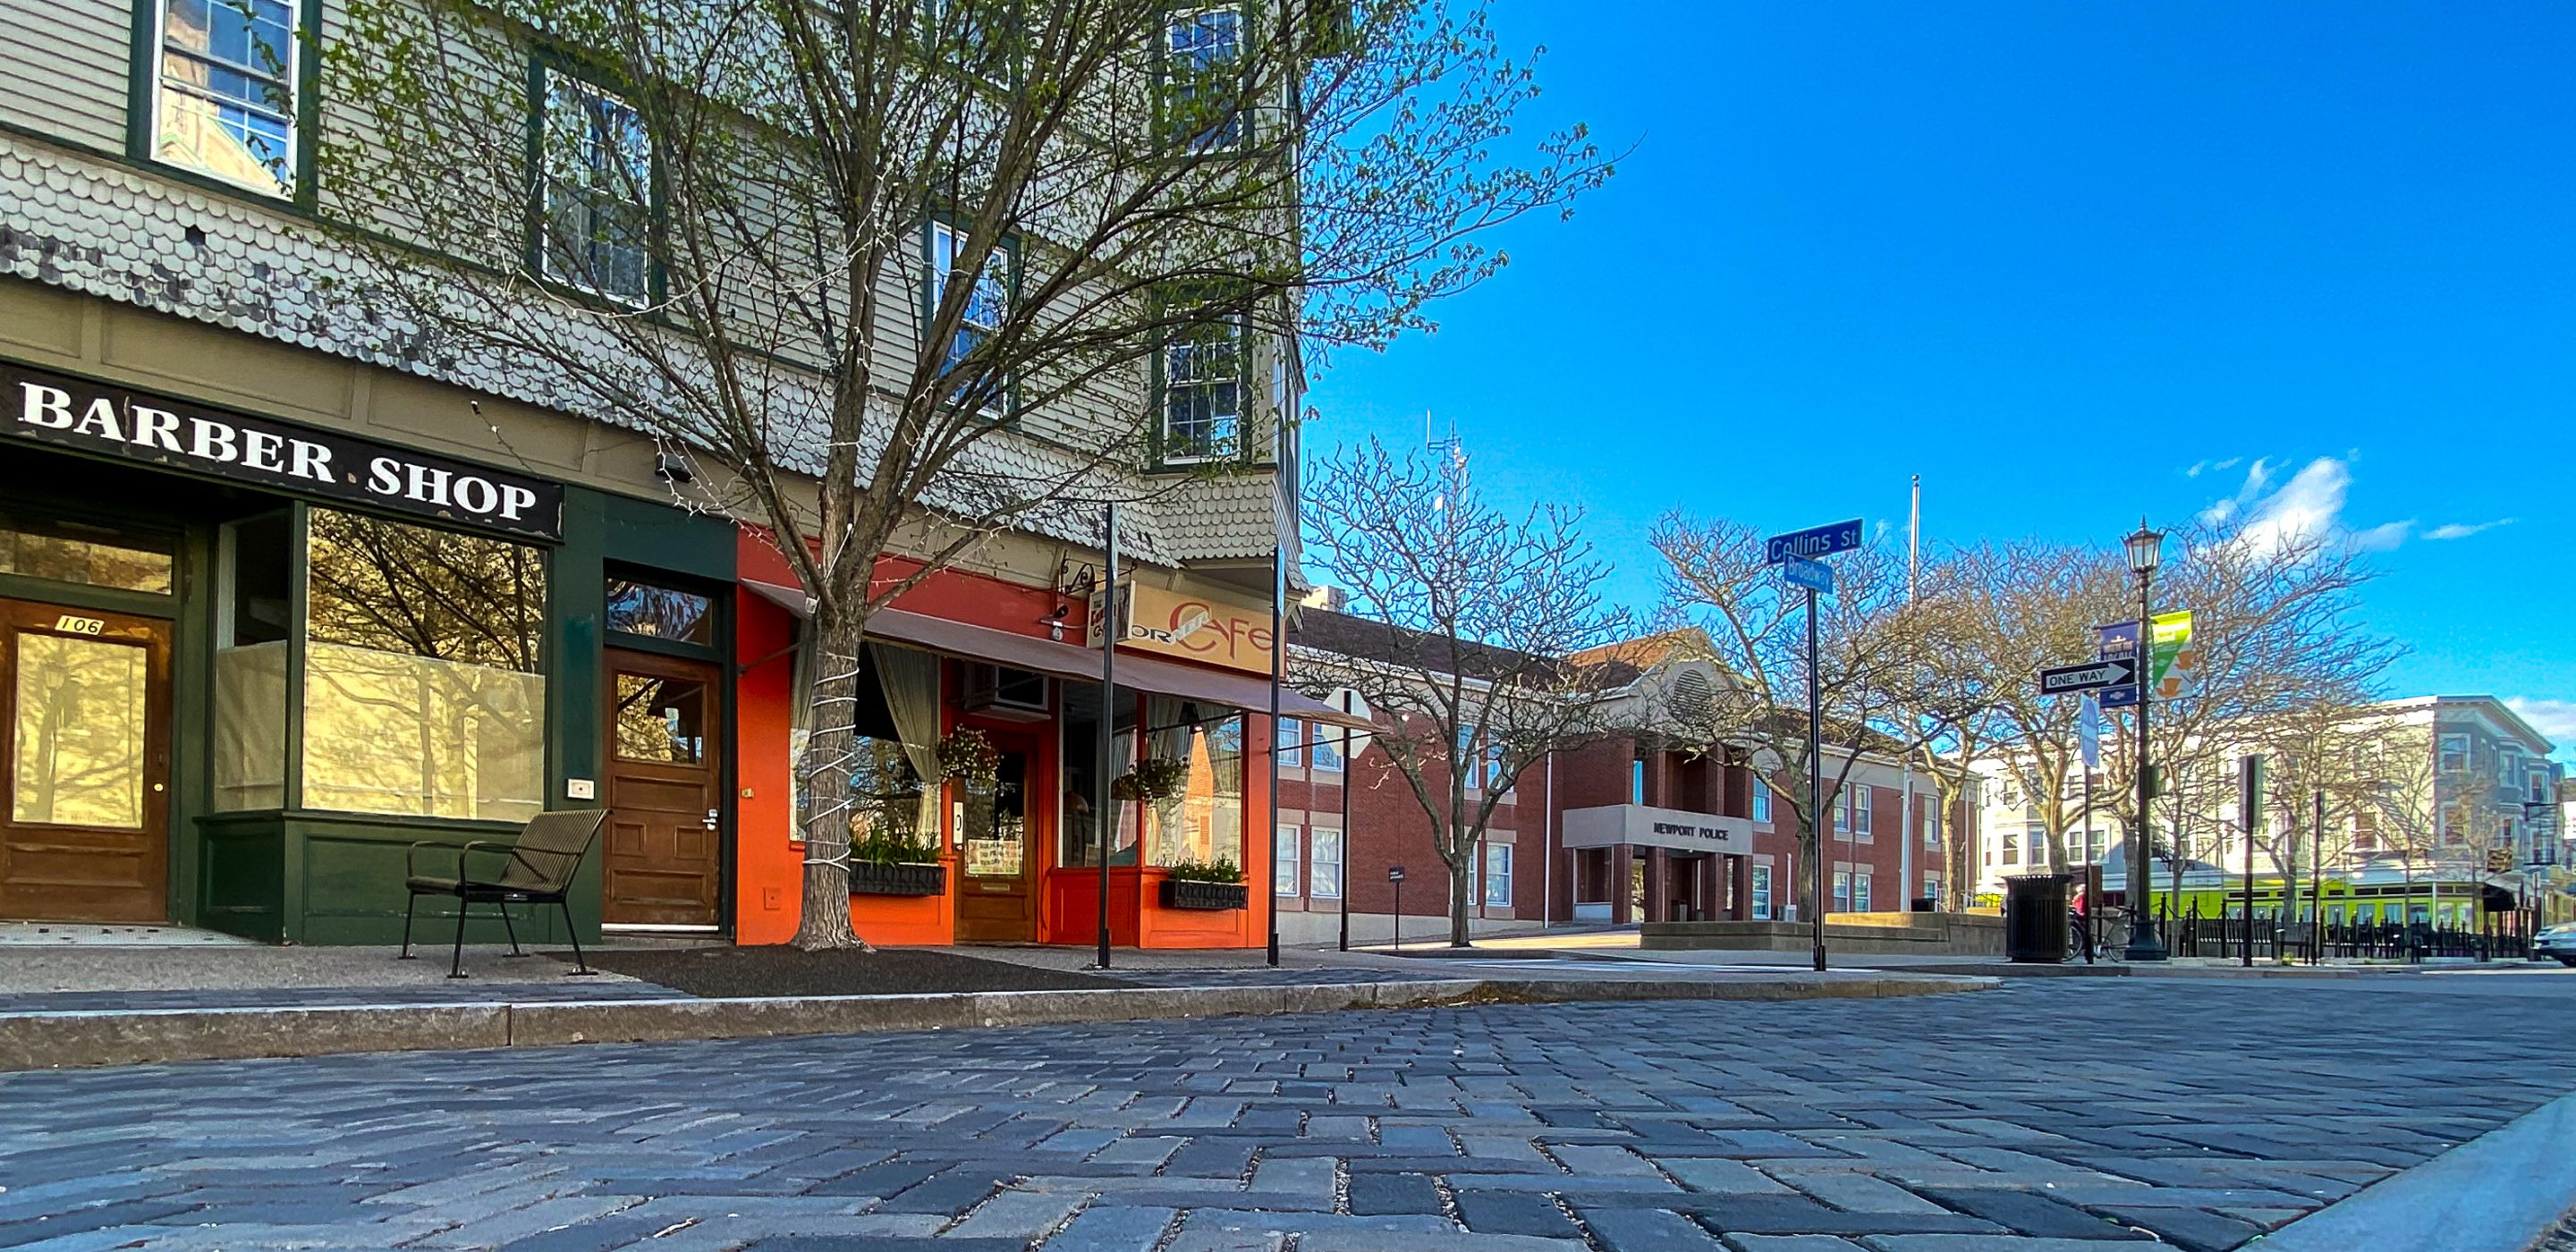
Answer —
2120 697
2118 642
1813 542
2088 733
1815 576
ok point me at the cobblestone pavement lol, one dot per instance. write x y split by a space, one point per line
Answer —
2055 1115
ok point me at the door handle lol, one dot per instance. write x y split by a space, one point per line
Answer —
711 819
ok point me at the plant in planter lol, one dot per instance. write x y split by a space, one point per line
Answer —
1216 884
893 860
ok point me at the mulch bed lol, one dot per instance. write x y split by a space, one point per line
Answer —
786 971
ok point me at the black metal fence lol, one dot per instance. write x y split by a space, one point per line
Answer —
2501 937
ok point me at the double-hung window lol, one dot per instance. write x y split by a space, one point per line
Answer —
1762 893
988 301
1761 800
1842 891
1843 811
224 91
1932 827
1498 874
1860 892
1292 741
2012 847
598 191
1860 813
2455 752
1932 886
1202 79
1324 866
1203 368
1283 864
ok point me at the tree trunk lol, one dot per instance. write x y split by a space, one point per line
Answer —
824 919
1462 879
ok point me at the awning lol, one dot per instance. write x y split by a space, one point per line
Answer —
1071 661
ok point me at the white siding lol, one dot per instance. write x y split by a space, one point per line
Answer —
63 69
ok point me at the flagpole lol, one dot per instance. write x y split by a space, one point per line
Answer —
1905 872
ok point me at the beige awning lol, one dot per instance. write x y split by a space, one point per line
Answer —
1072 661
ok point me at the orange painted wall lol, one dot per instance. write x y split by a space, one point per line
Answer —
768 870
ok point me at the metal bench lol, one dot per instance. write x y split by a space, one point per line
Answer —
536 868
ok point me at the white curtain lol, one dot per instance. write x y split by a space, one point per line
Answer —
910 681
1168 732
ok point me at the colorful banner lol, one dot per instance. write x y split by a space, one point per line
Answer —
2174 659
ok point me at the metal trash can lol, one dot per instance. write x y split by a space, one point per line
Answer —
2035 918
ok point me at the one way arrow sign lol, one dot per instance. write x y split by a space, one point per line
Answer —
2117 672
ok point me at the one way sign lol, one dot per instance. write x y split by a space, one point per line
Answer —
2117 672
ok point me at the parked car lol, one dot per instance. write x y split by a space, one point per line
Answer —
2557 941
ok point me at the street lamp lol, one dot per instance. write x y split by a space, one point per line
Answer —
2145 546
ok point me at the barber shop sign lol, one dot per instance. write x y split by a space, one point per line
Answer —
90 417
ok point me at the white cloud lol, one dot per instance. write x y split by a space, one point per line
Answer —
2553 718
2306 508
2382 537
2462 530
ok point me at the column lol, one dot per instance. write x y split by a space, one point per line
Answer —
1742 867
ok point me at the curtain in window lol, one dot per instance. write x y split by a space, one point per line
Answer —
911 683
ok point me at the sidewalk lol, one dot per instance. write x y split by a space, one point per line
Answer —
132 1005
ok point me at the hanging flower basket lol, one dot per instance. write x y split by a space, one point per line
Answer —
970 757
900 879
1154 779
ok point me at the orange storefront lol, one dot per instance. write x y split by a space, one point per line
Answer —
1015 845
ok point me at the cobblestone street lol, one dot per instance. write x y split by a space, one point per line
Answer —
2050 1116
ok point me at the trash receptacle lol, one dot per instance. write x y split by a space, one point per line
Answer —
2035 918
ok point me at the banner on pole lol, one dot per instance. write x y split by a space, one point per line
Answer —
2174 660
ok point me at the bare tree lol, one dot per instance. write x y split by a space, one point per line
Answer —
892 277
1472 630
1872 646
1956 717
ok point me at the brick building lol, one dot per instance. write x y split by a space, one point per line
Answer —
1618 831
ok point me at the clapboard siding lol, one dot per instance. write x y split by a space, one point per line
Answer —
63 69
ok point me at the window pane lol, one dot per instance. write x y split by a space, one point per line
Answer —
598 181
1324 875
661 719
1283 861
79 732
1205 821
636 608
422 690
92 556
227 91
250 748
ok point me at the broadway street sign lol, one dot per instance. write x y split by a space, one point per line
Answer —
2118 672
1813 542
1815 576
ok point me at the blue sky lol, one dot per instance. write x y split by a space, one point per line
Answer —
2318 258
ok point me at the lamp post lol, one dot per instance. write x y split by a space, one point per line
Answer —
2145 547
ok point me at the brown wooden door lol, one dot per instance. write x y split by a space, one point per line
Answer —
664 849
84 765
997 861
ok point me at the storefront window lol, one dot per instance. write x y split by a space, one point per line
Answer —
257 574
423 692
1205 821
92 556
636 608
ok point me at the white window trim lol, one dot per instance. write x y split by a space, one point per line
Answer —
160 54
1242 327
1342 867
1292 860
1491 878
546 81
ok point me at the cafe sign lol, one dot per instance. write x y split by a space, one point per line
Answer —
92 417
1190 627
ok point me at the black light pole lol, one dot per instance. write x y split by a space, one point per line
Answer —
1342 871
1816 783
1105 805
2144 546
1278 658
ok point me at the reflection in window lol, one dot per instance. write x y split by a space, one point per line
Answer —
227 91
1204 822
257 571
92 556
598 191
636 608
79 731
422 690
661 719
1324 875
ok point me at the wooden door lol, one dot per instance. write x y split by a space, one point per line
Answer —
84 764
997 865
664 846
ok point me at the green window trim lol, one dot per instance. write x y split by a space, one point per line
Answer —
544 66
1006 404
143 109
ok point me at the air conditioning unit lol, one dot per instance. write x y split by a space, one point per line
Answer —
1000 691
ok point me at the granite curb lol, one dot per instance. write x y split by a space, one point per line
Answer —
2503 1191
92 1039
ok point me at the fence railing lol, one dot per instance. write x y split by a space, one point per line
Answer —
2502 937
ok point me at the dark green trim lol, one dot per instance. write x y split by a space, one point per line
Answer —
298 616
544 60
1248 427
1010 248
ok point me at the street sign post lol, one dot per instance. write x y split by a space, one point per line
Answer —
2065 679
1354 742
1813 542
2120 639
1797 553
1395 875
1815 576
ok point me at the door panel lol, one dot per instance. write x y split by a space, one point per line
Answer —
997 897
84 720
662 851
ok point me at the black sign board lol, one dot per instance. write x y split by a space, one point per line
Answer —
1395 873
2115 672
95 417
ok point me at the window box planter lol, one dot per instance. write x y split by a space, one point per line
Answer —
1179 894
908 879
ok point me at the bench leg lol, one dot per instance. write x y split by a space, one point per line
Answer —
456 963
509 929
580 965
408 906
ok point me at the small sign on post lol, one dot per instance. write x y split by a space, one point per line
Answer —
1395 875
1813 542
1815 576
2063 679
